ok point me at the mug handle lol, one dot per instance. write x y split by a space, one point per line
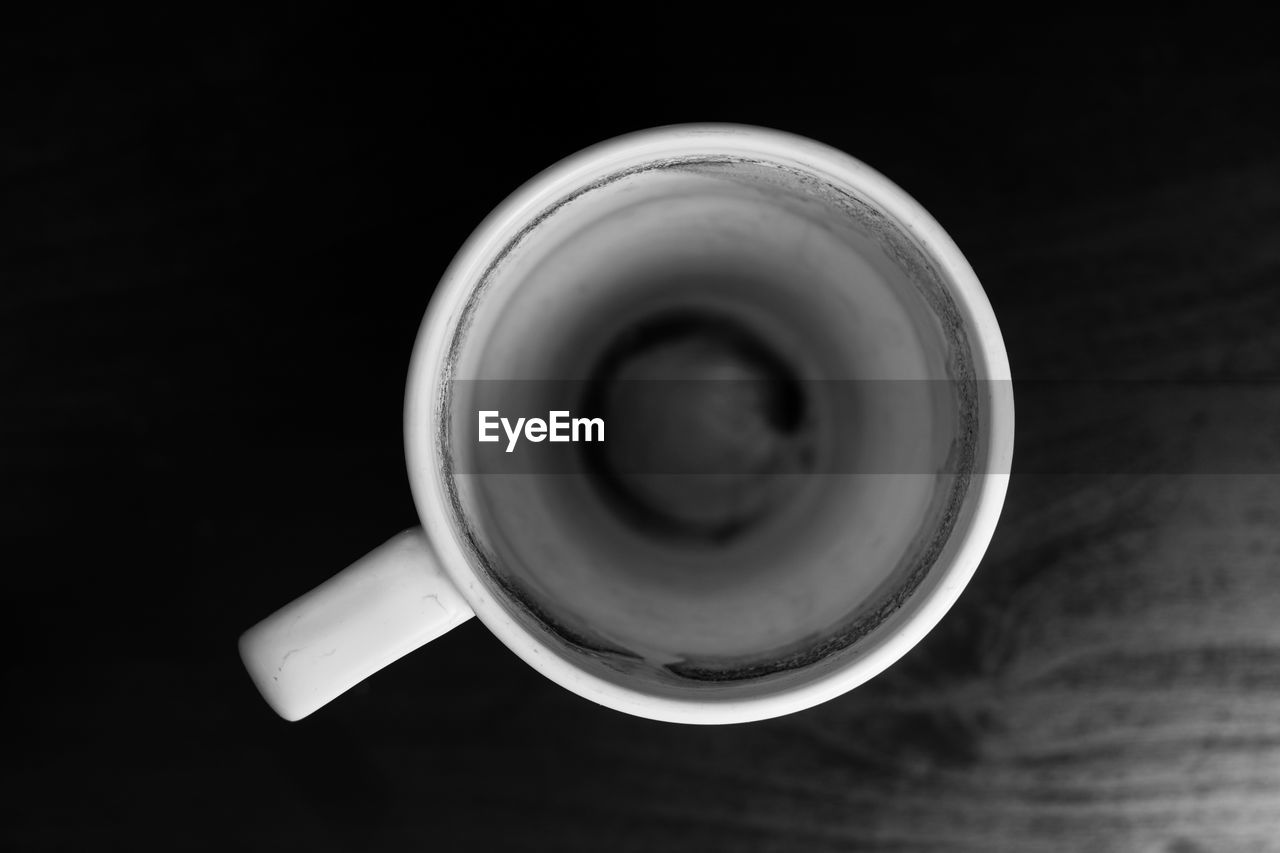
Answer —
377 610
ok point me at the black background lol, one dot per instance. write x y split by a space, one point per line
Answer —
219 237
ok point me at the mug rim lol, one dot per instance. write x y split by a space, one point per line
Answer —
515 212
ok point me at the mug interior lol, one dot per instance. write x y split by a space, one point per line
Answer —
792 251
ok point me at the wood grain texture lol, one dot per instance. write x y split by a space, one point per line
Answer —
218 241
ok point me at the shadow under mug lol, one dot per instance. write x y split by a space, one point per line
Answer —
431 578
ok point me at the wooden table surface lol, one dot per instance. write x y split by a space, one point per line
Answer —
219 238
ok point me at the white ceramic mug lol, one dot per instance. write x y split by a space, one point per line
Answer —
431 578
